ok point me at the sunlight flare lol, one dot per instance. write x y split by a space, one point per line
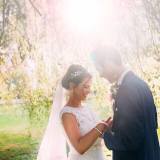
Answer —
88 15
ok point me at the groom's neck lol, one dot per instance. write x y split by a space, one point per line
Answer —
119 73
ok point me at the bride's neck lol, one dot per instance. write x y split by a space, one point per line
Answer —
73 102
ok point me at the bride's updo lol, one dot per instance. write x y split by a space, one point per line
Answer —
75 74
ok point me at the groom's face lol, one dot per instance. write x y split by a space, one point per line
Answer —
107 70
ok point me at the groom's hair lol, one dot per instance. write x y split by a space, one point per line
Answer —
103 54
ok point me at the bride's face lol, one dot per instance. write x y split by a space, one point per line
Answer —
83 89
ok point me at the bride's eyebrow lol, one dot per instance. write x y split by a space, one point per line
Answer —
86 84
83 84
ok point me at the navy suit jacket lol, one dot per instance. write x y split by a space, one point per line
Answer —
134 131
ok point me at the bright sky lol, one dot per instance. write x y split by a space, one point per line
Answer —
89 16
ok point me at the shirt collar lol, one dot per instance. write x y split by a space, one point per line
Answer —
120 80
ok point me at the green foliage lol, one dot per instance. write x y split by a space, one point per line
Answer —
13 30
152 76
14 46
37 104
99 97
15 85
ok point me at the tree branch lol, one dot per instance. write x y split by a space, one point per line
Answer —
35 8
3 19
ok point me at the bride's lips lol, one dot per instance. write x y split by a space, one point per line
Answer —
84 96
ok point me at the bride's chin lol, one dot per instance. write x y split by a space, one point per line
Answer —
84 98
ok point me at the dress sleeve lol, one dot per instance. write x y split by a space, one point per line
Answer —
69 110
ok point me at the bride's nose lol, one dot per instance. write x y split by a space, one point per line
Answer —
88 91
93 92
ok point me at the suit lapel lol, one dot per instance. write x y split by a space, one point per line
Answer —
115 106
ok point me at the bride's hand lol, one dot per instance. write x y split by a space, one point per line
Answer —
108 123
105 125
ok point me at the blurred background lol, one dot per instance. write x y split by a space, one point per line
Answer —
39 39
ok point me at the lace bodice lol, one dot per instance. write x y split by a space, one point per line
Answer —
87 120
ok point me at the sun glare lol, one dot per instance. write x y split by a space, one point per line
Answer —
87 15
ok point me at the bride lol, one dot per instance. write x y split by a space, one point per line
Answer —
73 122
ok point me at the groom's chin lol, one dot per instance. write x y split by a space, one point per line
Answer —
107 79
111 80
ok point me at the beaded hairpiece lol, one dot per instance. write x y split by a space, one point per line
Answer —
76 74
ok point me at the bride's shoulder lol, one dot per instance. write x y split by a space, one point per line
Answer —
66 109
70 110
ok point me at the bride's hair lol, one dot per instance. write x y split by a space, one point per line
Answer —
75 74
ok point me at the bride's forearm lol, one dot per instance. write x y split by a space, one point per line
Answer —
86 141
81 143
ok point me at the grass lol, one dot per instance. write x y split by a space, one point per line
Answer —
15 140
8 123
17 147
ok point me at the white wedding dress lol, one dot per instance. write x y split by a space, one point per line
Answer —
87 120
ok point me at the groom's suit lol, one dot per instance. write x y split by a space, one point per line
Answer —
134 135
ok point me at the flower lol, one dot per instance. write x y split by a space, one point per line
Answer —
114 89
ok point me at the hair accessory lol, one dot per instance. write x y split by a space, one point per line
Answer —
76 74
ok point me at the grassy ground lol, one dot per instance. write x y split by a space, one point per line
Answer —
16 142
17 147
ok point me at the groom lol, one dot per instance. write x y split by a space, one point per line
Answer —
134 132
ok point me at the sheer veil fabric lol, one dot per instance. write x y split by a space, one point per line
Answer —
53 145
